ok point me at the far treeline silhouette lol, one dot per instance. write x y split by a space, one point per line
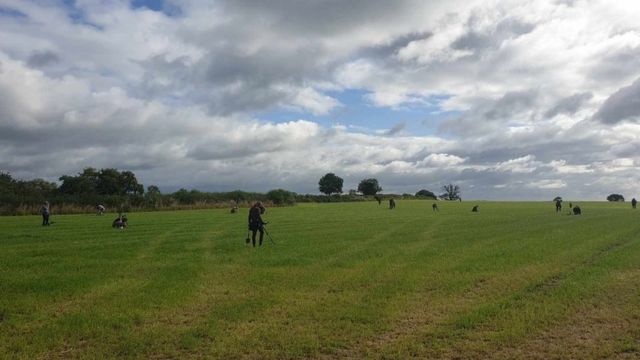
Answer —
120 191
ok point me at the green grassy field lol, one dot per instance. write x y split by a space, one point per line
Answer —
345 280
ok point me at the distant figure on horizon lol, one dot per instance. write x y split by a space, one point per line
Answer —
100 209
570 205
460 199
558 205
634 202
234 207
392 204
475 209
45 212
378 199
577 210
434 207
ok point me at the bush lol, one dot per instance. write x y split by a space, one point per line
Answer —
281 197
615 197
426 194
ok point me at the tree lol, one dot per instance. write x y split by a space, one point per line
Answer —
451 192
153 196
86 183
615 197
369 187
7 183
330 184
426 194
129 184
281 197
183 196
104 182
109 182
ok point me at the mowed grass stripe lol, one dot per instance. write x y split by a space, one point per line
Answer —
342 278
516 306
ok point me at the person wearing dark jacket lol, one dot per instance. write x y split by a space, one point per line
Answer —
255 222
44 210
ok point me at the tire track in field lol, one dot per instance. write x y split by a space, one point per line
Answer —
361 244
50 315
210 298
406 322
553 281
439 319
161 314
192 319
606 327
444 332
273 310
109 287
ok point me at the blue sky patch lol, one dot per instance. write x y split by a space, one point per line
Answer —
9 12
156 5
359 115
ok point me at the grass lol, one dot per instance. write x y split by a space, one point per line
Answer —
345 280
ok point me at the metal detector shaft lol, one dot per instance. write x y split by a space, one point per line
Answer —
268 235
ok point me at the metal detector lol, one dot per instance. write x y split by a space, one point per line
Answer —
268 235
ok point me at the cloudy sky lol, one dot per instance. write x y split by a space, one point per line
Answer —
509 99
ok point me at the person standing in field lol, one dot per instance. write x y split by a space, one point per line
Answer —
434 207
634 202
45 211
558 205
392 204
100 209
255 222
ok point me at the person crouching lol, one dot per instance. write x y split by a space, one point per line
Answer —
120 222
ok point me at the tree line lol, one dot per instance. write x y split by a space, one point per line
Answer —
330 184
121 191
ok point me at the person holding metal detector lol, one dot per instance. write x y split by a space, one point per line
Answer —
255 222
45 211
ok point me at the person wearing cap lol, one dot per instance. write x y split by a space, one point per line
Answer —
255 222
